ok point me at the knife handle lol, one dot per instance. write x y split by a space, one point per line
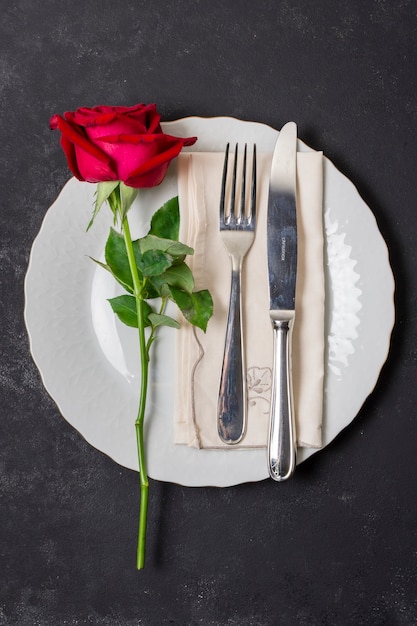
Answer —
282 440
232 403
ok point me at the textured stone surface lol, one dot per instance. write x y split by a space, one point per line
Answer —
336 545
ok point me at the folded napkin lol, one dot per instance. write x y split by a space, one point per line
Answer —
199 356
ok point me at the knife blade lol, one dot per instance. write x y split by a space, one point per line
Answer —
282 270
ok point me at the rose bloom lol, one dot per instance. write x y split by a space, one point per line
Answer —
107 143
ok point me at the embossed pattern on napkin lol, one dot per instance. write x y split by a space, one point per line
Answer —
199 355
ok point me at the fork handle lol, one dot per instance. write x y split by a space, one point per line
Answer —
232 404
282 440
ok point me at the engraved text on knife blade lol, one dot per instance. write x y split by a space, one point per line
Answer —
282 250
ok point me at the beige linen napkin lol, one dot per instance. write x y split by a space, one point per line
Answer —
199 356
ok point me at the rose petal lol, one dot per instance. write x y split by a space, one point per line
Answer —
152 172
68 148
75 136
93 170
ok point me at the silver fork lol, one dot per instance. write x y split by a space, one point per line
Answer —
237 229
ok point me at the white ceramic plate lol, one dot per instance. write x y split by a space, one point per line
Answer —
89 362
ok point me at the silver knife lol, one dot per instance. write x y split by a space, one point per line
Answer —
282 269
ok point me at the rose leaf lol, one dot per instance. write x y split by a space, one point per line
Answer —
117 260
165 222
180 276
153 262
197 307
162 320
174 248
125 308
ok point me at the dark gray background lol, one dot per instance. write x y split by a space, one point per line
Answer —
337 544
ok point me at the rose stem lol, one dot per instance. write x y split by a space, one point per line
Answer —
144 358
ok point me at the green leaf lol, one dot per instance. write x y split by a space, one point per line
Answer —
103 191
127 198
179 276
153 262
103 265
117 260
125 308
196 307
174 248
162 320
108 269
165 222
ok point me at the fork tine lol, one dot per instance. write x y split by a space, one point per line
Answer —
252 216
223 189
242 212
231 217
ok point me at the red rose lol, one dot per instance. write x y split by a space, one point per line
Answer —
118 143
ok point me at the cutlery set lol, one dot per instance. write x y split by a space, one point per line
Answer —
237 228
